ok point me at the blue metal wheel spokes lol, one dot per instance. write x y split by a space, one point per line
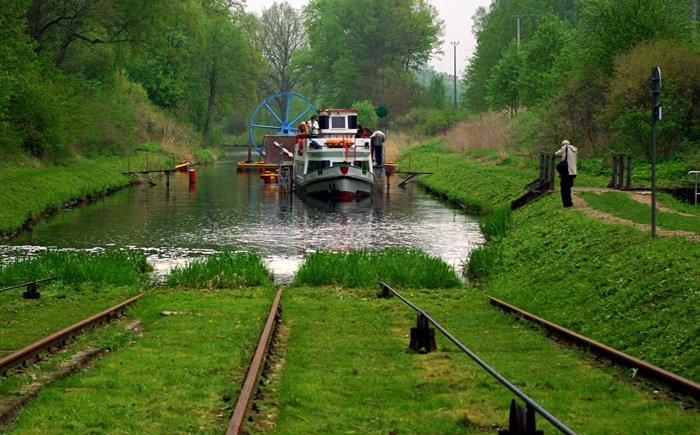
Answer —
278 114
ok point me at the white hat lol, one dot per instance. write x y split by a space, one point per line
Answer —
565 142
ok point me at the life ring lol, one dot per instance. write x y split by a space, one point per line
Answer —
336 142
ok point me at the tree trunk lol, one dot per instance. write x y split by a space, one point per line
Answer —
694 15
212 99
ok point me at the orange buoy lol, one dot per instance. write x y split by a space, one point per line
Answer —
193 176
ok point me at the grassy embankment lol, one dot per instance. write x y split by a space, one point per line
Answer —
608 281
30 192
179 372
346 366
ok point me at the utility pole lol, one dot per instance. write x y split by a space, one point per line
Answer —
455 44
517 25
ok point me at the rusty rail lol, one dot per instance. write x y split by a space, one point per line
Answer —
59 338
669 378
239 412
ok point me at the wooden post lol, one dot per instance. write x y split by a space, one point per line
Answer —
628 183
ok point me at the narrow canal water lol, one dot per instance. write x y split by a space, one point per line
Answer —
226 209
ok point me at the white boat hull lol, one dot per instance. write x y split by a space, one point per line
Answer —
331 182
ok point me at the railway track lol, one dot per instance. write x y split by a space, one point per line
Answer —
32 352
676 382
242 407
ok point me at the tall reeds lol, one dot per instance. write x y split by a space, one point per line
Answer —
497 223
225 269
483 260
395 266
76 267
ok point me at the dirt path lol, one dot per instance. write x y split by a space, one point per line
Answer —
581 204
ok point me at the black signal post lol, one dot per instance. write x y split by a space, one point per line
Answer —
655 116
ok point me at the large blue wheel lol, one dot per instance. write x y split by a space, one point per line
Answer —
278 114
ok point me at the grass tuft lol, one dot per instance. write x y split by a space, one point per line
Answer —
497 223
222 270
76 267
395 266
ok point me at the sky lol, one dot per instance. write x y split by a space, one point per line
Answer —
457 15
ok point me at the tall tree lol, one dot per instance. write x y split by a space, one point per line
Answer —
57 25
280 34
503 88
363 49
495 29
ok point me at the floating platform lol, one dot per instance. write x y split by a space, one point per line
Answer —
255 166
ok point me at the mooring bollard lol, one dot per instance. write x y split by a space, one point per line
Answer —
521 421
31 292
422 336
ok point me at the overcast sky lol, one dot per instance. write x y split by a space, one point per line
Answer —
457 15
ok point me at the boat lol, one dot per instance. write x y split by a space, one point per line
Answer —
335 164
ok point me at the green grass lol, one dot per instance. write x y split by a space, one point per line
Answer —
222 270
348 370
25 321
676 204
77 267
463 180
181 374
86 284
395 266
30 192
621 205
609 282
497 223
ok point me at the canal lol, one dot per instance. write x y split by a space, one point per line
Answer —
226 209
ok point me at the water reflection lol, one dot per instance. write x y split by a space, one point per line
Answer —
228 209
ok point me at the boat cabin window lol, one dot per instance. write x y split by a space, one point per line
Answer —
323 122
352 121
337 122
316 165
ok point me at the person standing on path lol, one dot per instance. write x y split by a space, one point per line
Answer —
569 153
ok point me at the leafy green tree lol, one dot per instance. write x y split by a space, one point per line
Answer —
229 66
16 67
363 49
495 29
366 113
503 88
436 92
539 81
280 35
627 110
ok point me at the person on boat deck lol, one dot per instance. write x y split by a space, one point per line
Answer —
301 135
362 131
378 139
312 129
